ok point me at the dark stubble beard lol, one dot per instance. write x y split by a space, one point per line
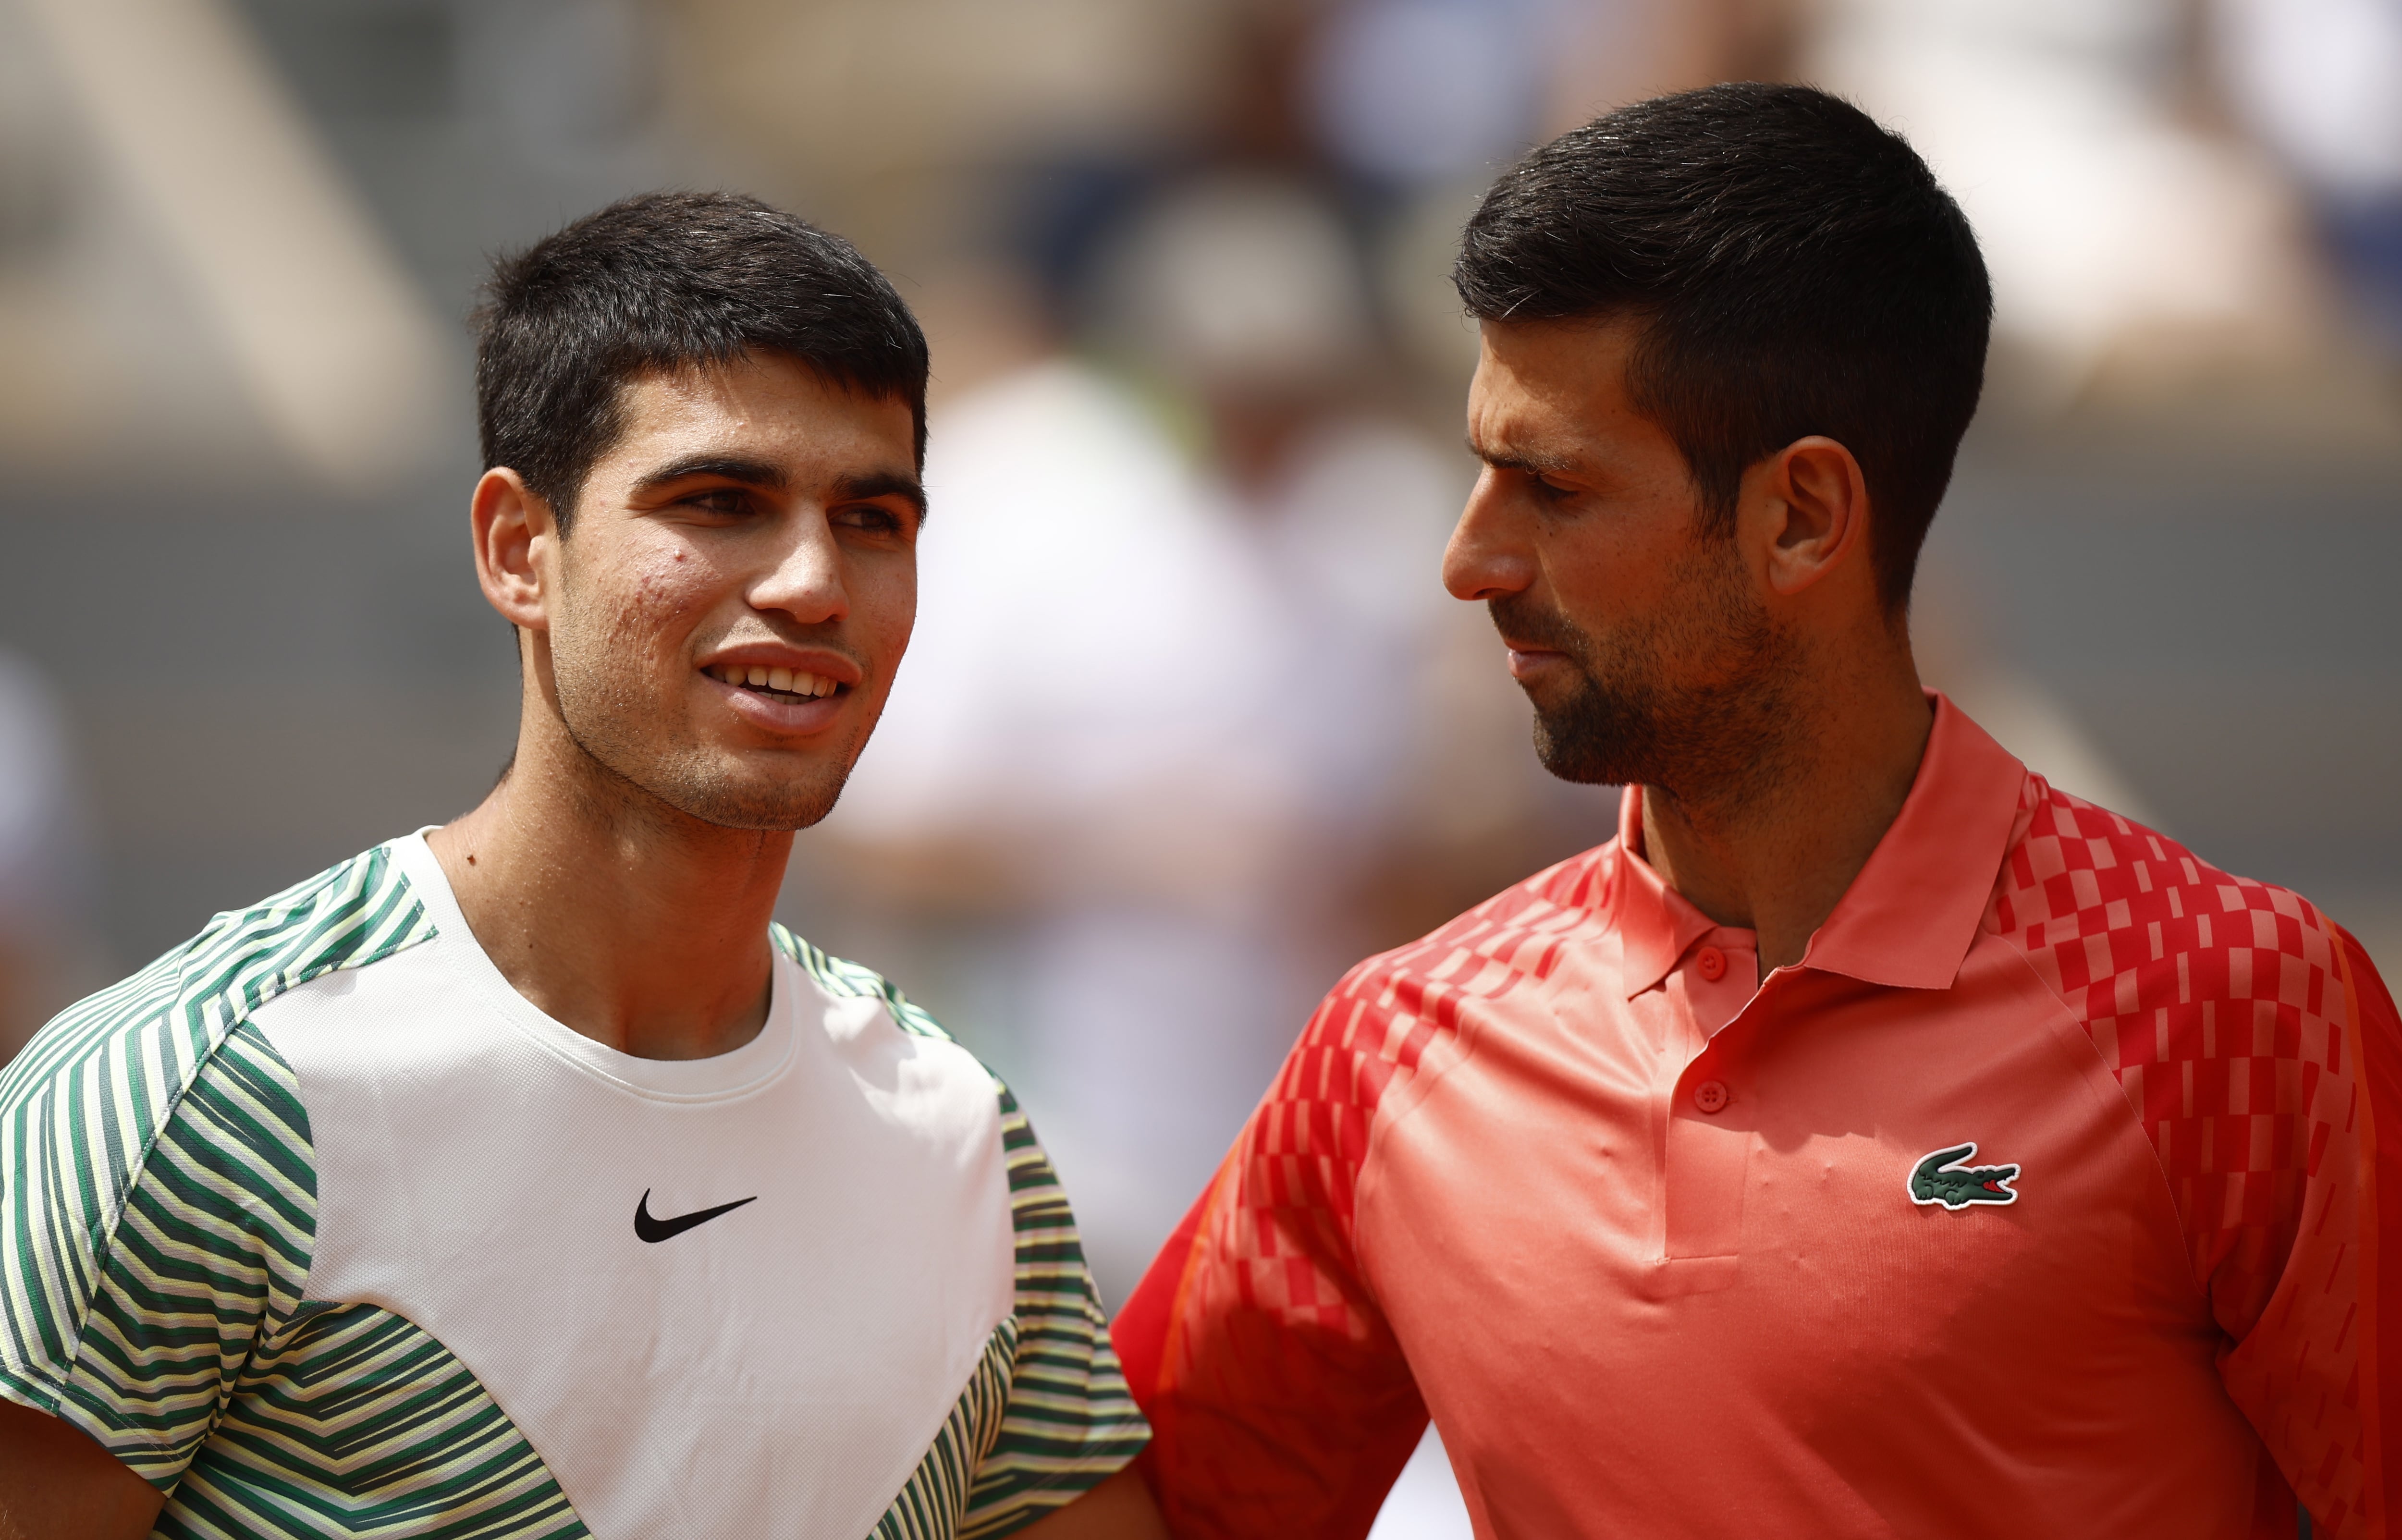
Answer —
1699 705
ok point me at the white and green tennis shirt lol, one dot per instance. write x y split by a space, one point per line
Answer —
324 1230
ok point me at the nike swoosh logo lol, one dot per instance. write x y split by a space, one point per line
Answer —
655 1229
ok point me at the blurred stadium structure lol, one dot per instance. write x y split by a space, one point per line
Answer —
1189 724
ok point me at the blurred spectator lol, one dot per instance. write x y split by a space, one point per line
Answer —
1173 675
2114 229
2319 82
44 873
1415 92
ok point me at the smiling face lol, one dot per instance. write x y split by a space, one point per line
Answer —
722 623
1638 631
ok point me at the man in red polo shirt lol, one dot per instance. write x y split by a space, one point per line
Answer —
1870 1140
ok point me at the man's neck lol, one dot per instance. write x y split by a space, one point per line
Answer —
1777 859
640 928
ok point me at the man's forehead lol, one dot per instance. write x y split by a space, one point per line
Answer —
772 407
1511 426
1552 395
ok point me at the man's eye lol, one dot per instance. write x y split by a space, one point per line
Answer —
1550 492
721 501
882 521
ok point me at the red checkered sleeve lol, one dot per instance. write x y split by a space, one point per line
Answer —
1278 1400
2257 1045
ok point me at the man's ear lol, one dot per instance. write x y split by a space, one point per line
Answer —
516 541
1808 504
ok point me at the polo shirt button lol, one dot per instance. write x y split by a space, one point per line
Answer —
1712 962
1712 1095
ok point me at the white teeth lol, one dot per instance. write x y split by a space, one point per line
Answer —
789 680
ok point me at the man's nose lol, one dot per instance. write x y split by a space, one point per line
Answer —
807 579
1482 561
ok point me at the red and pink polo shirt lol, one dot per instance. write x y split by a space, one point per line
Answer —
2044 1197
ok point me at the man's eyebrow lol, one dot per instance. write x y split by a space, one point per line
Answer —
736 468
875 484
1528 461
772 477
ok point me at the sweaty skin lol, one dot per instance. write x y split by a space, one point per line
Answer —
1586 523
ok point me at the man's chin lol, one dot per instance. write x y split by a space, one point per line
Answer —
1575 759
778 810
1595 738
749 796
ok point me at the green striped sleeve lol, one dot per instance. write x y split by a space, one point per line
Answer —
208 1261
1070 1421
156 1202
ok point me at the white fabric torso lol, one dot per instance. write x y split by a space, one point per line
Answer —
777 1370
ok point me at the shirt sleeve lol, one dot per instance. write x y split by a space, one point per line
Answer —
1278 1398
151 1226
2258 1051
1070 1421
2314 1309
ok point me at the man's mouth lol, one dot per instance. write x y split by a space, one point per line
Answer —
1526 662
786 685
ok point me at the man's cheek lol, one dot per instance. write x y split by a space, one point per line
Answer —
660 607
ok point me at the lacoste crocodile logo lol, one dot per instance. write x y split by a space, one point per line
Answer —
1943 1178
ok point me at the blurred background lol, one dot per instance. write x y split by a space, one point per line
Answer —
1190 725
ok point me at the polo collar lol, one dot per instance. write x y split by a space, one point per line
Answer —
1655 923
1910 915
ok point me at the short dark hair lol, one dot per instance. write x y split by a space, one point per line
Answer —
662 281
1796 269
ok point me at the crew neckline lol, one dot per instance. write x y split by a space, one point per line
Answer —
730 1074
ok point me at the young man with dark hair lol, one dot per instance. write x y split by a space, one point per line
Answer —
517 1178
1871 1139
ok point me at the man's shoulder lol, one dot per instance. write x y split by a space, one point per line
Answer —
146 1035
842 980
848 979
1396 1013
1518 933
2119 918
154 1107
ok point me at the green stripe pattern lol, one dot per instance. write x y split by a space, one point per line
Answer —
158 1208
157 1217
937 1492
1068 1422
83 1109
343 1419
